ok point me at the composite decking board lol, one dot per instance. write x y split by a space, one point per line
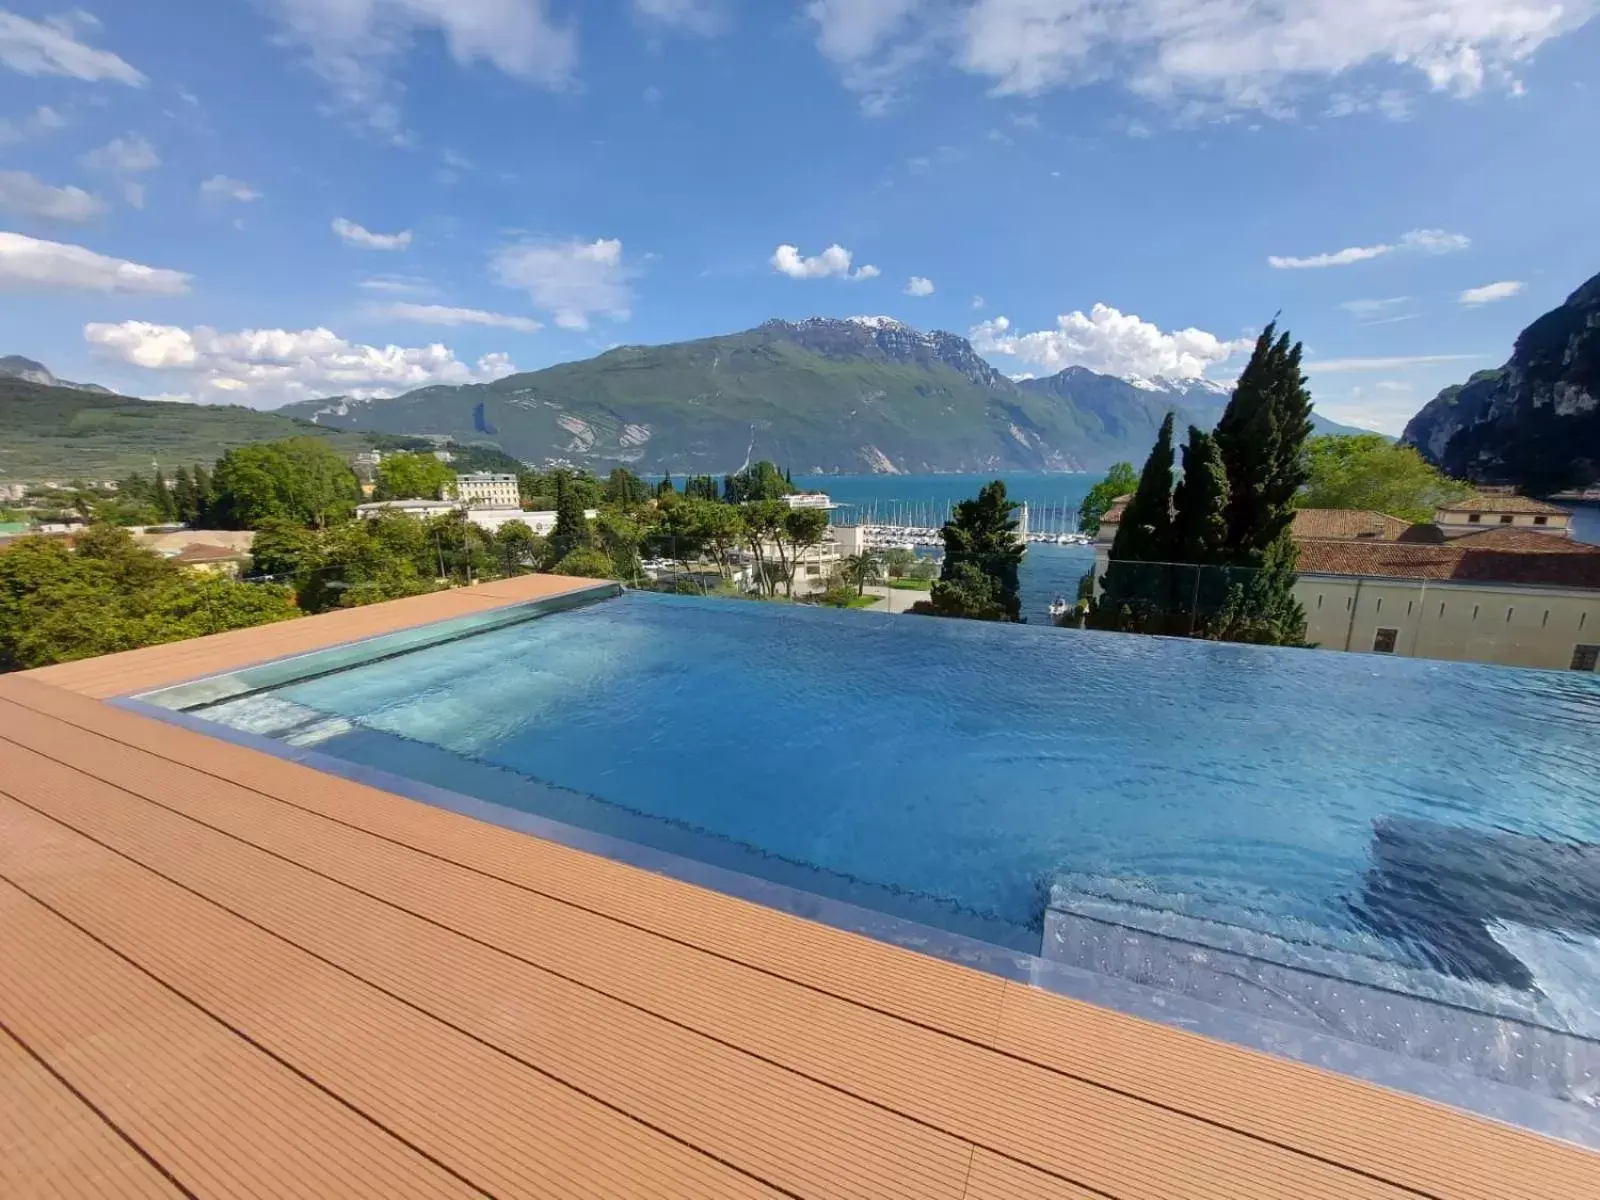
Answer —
53 1145
177 662
1004 1103
1386 1134
224 1119
1117 1145
394 980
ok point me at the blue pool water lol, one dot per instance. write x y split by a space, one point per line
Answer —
1425 826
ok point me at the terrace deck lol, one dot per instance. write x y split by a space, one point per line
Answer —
226 974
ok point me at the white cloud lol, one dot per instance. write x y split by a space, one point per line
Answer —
273 366
874 43
29 264
834 262
918 286
221 187
352 234
1110 342
21 193
439 314
123 156
19 129
353 45
1371 310
573 280
704 17
1205 56
1339 365
978 302
396 285
1426 241
1490 292
52 48
133 193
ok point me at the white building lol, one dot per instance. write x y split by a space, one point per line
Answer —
421 509
1499 510
488 491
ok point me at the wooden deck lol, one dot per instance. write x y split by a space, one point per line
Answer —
225 974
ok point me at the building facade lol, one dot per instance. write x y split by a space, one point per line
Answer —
1502 510
488 491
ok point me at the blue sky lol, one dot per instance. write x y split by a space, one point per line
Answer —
255 201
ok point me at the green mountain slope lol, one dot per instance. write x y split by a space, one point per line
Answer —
864 394
64 433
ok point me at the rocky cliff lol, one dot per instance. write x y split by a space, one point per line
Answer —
1534 423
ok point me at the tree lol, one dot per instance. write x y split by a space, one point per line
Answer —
585 563
572 526
165 505
625 488
862 569
285 549
898 562
518 548
413 477
982 536
665 488
301 479
1145 532
1200 520
1262 438
1119 481
965 591
1368 471
185 499
759 481
619 535
203 497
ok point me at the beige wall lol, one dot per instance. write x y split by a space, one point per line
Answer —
1459 524
1495 623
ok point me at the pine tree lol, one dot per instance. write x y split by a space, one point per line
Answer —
571 531
183 496
165 505
981 540
1200 522
1262 438
665 486
203 496
1145 534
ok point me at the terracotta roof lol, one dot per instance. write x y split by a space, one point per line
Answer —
1504 503
1114 514
1508 537
1559 565
1348 524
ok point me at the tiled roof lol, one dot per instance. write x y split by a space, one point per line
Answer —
1568 564
1504 503
1508 537
1114 514
1347 524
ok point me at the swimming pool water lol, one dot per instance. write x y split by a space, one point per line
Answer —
1427 826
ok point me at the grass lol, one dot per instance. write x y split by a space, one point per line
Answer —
909 585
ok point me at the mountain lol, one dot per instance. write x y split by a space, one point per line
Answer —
819 395
14 366
1534 423
64 433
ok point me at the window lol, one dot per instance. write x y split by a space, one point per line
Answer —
1585 658
1509 611
1378 607
1475 608
1541 520
1507 519
1384 642
1410 604
1319 599
1475 519
1545 624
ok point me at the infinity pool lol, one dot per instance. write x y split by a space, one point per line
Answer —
1424 828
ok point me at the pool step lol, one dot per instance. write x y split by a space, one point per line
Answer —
1516 1038
273 717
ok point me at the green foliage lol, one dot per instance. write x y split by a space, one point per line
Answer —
898 562
625 488
1145 533
1200 520
518 548
1119 481
1262 438
1369 471
57 605
301 479
759 481
619 535
413 477
585 563
572 527
862 569
981 541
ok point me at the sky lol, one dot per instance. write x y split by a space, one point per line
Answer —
260 201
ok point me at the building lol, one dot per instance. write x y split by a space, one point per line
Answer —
423 510
1498 509
1348 524
207 559
489 519
1507 596
482 490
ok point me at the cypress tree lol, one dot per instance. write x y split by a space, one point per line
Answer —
203 497
572 527
183 496
1262 438
1200 523
165 506
1145 534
